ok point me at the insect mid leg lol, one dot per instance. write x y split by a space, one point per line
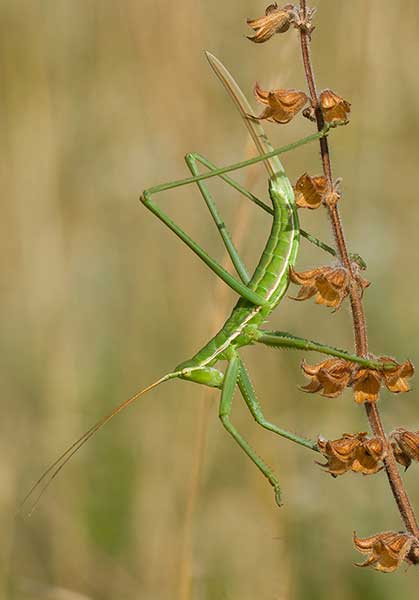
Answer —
229 385
249 396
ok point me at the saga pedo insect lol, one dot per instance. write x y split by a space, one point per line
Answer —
259 294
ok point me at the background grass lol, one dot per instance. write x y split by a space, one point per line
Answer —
99 100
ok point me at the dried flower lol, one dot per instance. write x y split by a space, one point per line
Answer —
332 376
329 377
386 550
339 453
310 191
369 455
281 105
335 108
366 385
367 382
395 379
405 446
352 453
276 20
329 284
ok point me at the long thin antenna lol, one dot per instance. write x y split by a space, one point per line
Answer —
53 470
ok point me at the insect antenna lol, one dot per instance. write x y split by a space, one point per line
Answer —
53 470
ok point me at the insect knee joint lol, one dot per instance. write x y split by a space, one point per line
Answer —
190 158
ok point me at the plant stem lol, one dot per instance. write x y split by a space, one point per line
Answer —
358 315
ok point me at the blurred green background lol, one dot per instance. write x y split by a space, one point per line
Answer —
99 100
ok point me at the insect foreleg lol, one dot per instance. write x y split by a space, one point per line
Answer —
191 160
229 385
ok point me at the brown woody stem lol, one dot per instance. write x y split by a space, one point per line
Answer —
358 315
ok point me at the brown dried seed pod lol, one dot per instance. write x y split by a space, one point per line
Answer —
366 385
386 551
275 20
281 105
310 191
335 108
329 284
329 377
405 445
396 379
353 452
339 453
369 455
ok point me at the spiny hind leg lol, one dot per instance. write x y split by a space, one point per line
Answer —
282 339
238 286
229 385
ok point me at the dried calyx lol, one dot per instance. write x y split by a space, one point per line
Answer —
332 376
312 192
386 551
278 19
329 284
335 108
275 20
405 446
353 452
281 105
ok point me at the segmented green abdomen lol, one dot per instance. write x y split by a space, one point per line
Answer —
270 279
271 276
